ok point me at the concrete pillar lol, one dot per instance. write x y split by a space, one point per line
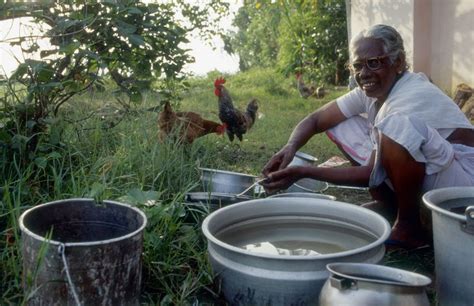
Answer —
422 33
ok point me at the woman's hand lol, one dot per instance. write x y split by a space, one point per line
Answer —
282 179
279 161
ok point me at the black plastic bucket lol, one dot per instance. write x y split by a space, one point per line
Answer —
79 252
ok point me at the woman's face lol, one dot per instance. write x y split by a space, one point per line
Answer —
373 71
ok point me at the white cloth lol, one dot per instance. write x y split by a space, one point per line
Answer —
353 136
416 115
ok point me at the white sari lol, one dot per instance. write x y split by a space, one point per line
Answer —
416 115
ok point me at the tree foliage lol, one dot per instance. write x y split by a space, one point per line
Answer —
128 42
256 41
296 36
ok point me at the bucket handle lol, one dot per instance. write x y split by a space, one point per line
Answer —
62 253
342 283
468 227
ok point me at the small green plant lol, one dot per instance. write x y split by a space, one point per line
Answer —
174 266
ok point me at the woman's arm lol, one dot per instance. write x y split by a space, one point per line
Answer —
319 121
324 118
353 176
462 136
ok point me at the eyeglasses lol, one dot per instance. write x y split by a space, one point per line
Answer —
372 63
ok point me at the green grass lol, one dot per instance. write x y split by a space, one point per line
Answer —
128 164
280 109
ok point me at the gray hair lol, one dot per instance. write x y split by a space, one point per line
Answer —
391 39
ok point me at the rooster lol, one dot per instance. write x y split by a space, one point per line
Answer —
237 122
187 126
308 91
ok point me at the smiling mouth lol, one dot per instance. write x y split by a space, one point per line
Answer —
368 86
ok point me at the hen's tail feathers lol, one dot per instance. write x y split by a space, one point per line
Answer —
251 112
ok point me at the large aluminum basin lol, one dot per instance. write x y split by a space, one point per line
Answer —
249 277
304 195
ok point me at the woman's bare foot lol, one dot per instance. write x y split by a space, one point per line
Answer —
408 235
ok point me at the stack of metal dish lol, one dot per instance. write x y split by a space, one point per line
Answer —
220 188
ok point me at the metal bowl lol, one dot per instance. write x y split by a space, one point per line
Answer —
306 184
226 182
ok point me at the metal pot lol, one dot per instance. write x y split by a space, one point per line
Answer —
221 181
373 285
291 276
453 238
304 195
80 252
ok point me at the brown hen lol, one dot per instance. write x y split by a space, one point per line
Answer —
185 126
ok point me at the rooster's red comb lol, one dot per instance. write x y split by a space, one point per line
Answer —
219 81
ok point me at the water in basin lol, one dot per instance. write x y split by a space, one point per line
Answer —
295 235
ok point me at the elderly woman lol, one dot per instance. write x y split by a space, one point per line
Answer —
403 135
